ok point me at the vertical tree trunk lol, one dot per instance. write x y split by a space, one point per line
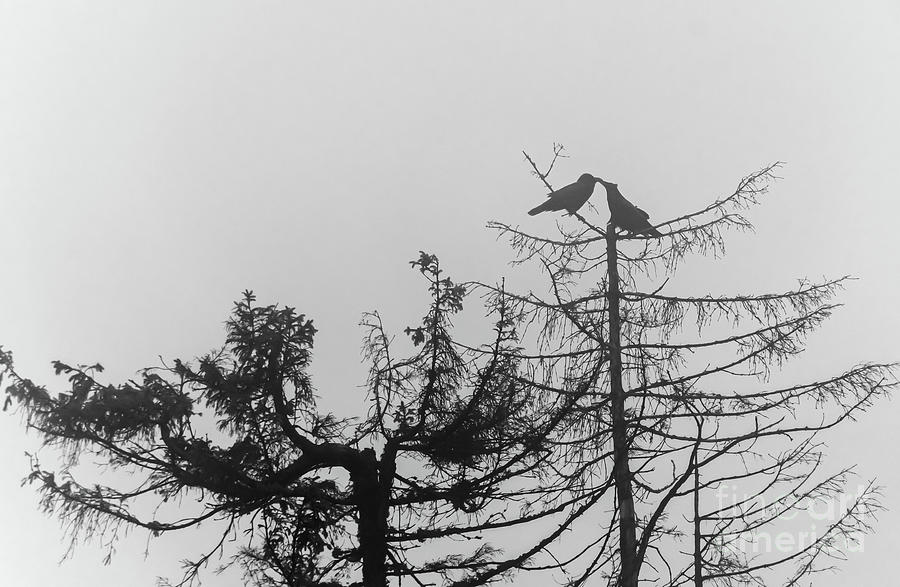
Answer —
372 527
698 559
630 565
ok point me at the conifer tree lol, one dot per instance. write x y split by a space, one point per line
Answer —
695 449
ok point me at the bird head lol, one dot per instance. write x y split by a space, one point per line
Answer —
607 184
587 179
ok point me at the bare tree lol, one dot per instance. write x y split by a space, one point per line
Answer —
673 420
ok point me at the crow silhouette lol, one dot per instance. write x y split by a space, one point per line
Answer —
626 215
569 198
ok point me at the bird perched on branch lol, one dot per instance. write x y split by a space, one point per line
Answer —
569 198
626 215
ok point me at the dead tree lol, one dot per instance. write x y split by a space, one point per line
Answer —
682 404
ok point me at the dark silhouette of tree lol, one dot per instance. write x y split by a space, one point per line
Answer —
588 441
454 446
681 420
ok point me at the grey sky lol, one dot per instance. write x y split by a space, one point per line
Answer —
158 158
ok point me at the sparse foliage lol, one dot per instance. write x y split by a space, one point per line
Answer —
688 423
605 409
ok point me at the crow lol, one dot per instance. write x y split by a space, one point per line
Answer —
626 215
569 198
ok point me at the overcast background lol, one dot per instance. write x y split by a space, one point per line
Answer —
157 158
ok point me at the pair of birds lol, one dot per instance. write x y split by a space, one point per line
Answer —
623 213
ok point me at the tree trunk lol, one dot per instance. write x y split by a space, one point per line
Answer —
630 565
698 557
372 527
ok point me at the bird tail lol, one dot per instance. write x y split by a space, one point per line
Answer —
652 232
538 209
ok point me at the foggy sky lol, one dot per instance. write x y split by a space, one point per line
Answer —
157 158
